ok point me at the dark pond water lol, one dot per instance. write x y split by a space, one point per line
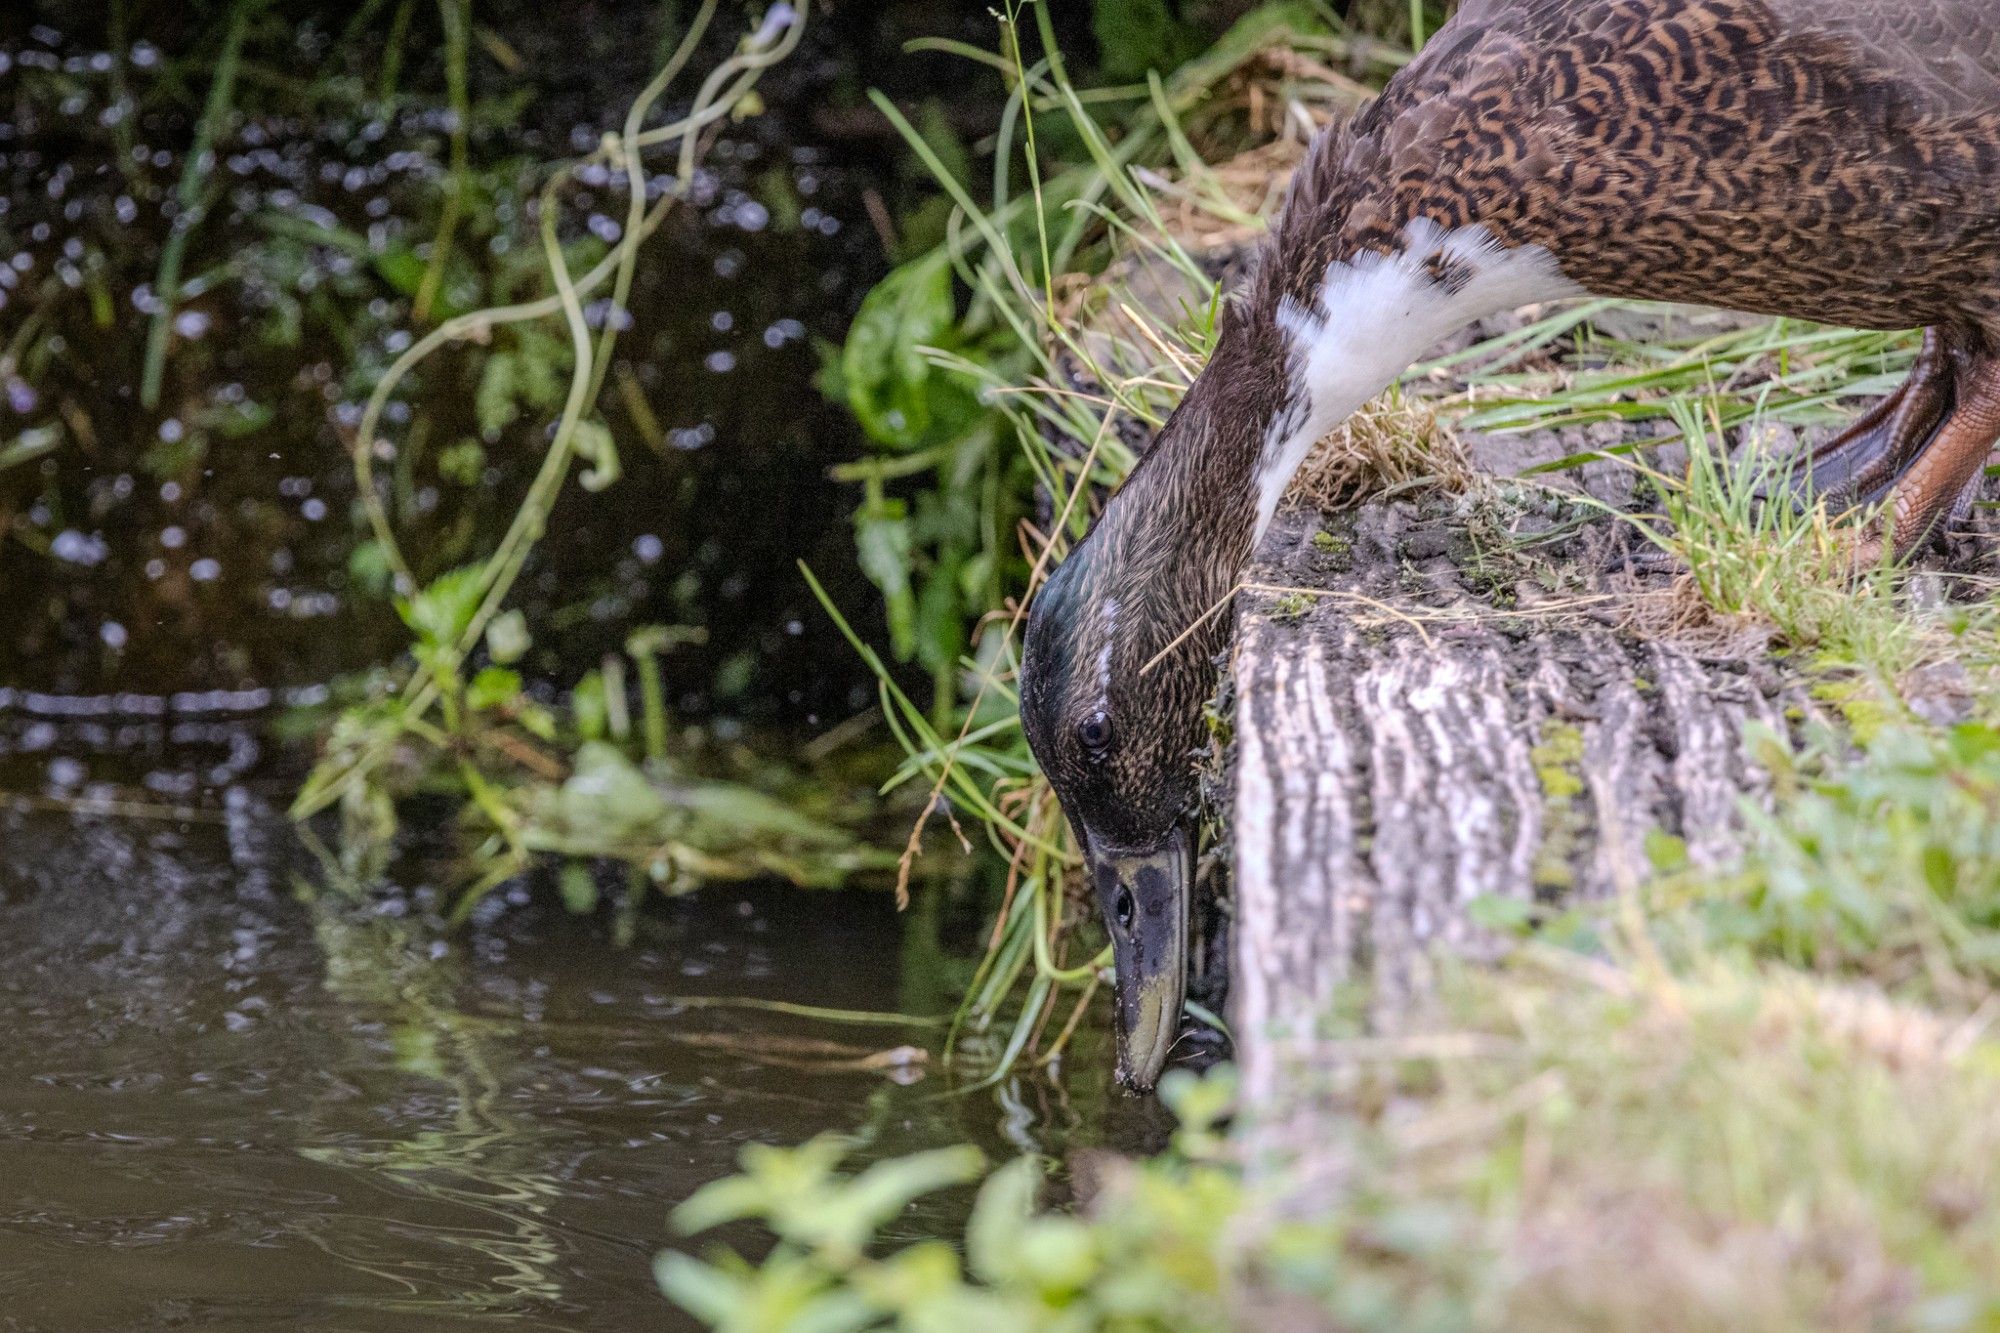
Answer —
223 1104
227 1097
208 541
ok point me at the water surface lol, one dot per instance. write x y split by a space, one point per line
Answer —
225 1105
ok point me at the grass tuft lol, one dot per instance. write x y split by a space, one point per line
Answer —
1755 558
1397 443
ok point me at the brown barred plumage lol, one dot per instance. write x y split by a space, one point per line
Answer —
1831 159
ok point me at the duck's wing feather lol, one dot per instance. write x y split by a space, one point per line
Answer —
1947 51
1828 159
1950 48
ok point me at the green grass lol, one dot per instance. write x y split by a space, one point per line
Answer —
1760 1098
1778 370
1075 301
1885 869
1792 567
1070 301
974 404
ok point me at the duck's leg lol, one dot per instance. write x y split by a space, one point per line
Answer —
1949 467
1868 455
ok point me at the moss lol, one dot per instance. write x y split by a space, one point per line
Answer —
1329 544
1292 607
1858 702
1221 723
1558 761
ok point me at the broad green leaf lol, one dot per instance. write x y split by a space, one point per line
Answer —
1006 1204
727 814
1138 37
494 687
882 539
882 368
703 1290
579 888
368 566
940 616
441 613
1057 1254
607 801
1200 1101
401 268
588 707
772 1179
845 1220
912 1281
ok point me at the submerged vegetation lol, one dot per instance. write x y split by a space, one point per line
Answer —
388 259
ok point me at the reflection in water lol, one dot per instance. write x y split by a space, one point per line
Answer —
224 1104
483 1162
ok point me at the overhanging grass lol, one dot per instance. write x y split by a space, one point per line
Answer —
1059 349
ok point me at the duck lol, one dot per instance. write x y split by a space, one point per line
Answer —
1829 160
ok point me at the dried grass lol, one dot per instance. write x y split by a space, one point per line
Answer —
1396 443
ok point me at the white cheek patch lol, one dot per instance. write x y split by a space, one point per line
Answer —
1376 314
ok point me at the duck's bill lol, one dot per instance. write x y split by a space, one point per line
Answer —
1151 953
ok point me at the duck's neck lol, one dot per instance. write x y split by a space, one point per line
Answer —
1304 347
1352 328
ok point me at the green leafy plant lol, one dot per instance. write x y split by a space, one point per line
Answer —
1885 865
1568 1142
994 374
1154 1262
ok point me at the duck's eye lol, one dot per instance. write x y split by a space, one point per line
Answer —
1122 906
1095 732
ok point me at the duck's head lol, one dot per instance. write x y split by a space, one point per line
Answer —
1118 667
